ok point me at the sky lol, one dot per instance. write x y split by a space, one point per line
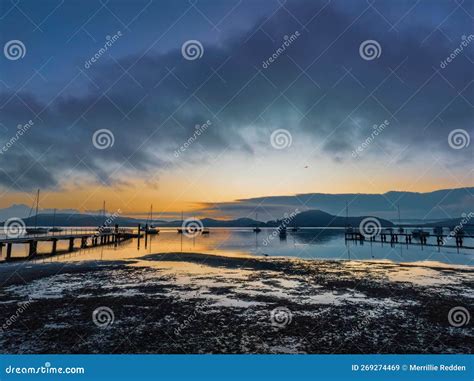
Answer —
271 98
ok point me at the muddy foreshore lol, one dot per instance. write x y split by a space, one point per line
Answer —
196 303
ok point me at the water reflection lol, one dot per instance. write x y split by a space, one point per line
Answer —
304 243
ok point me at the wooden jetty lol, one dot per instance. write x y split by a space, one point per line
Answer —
408 238
87 238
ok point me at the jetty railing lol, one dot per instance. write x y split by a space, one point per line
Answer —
411 238
88 237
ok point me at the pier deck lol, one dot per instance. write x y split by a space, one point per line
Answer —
442 240
88 238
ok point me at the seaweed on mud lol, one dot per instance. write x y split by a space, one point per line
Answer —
333 307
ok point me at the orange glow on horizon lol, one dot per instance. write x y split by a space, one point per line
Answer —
170 198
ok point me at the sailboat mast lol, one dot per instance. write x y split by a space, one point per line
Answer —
37 203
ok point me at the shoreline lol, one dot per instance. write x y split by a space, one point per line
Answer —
202 303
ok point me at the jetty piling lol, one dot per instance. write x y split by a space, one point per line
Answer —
87 238
441 239
9 250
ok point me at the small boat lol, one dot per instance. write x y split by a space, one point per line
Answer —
387 231
205 231
282 232
438 230
401 230
105 229
152 230
36 230
349 229
180 230
295 229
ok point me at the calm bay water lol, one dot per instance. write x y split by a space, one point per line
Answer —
305 243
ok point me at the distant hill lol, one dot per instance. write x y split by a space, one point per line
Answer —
23 211
213 223
238 223
318 218
428 206
76 219
415 207
467 223
310 218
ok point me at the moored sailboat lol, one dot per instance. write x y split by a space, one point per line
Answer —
257 229
36 229
400 229
105 228
150 229
54 228
180 230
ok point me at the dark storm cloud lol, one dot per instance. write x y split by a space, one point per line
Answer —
153 102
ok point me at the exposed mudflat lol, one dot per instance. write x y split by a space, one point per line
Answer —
195 303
